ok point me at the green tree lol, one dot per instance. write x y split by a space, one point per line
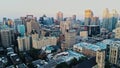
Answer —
34 53
62 65
30 65
82 59
107 64
22 56
73 62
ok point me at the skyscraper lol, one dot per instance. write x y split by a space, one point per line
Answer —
5 21
88 16
109 18
16 23
10 23
95 21
113 18
74 17
59 16
106 13
21 29
44 20
105 20
115 13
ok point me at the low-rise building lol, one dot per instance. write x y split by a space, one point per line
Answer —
100 58
84 34
114 57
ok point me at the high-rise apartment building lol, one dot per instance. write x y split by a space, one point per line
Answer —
65 25
70 36
41 42
114 57
29 27
33 25
23 43
34 35
7 37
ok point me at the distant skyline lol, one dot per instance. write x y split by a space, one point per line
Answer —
18 8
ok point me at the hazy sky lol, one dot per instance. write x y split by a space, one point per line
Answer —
17 8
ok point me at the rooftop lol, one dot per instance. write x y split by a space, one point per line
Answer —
101 45
88 46
67 56
21 66
116 44
94 47
72 30
107 41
